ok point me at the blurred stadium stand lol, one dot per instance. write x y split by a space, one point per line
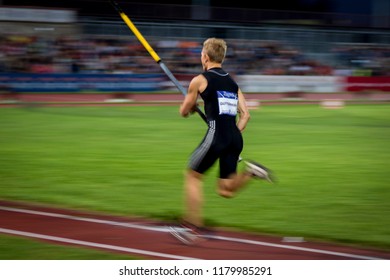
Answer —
262 41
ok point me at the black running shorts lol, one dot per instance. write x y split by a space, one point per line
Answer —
220 142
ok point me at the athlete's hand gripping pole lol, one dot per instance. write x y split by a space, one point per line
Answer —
155 56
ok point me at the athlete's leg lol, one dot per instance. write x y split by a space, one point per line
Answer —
228 187
230 181
193 192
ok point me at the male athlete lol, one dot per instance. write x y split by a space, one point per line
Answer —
223 102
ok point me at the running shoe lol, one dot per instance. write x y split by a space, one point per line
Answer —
190 234
259 171
184 235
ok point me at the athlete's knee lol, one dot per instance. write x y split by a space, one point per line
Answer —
225 193
192 174
224 189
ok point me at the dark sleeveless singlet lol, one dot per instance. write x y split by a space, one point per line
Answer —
223 140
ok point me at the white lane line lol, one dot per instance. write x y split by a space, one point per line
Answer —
83 219
324 252
166 229
93 244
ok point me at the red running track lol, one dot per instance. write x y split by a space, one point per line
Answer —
151 239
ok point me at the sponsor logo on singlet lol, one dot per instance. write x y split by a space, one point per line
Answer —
227 102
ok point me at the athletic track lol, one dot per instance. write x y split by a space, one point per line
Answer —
151 240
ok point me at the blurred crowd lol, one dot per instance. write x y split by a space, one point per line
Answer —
363 60
28 54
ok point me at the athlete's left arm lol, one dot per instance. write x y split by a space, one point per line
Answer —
243 112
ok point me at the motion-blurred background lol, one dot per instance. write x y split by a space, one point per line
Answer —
332 164
301 37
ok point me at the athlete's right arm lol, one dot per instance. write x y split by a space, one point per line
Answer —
189 103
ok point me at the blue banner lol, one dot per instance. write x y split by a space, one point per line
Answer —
21 82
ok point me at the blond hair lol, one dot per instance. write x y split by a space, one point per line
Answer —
215 49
